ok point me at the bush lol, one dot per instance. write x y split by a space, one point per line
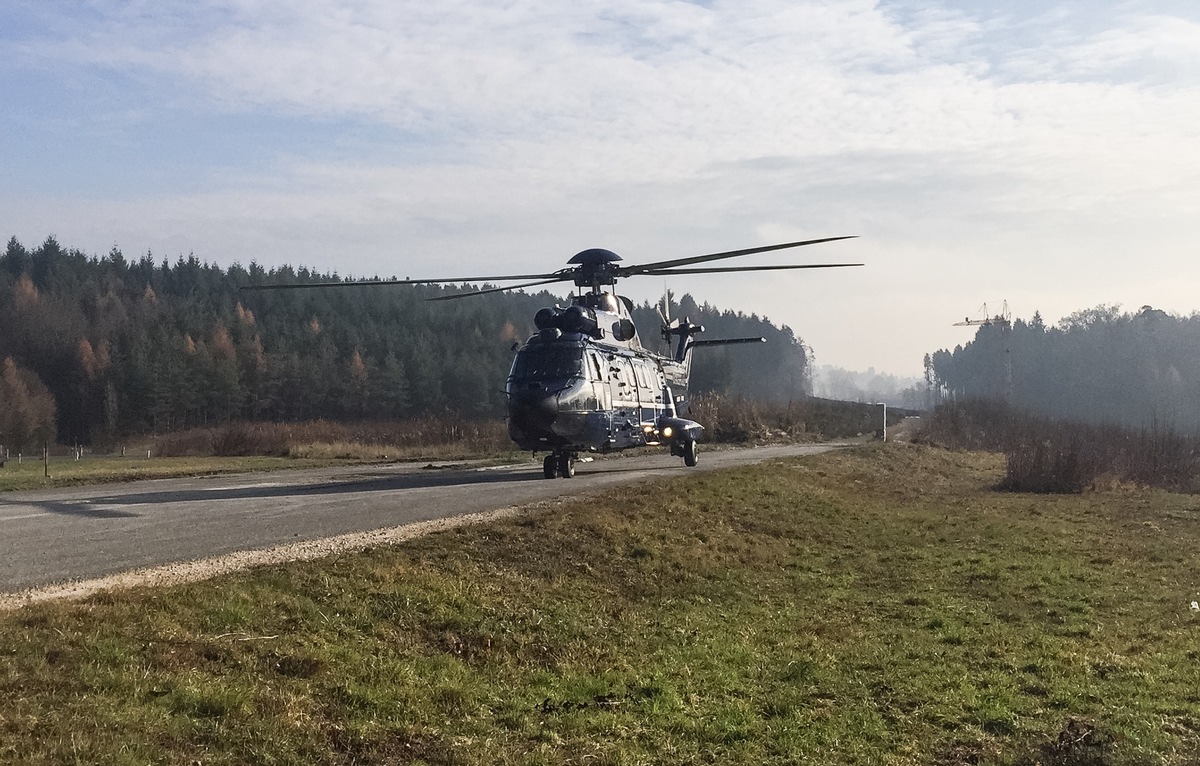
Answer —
1060 456
736 420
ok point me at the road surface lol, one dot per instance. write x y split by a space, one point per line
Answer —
53 536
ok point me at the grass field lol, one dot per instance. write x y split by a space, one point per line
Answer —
877 606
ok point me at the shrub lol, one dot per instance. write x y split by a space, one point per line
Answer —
1060 456
738 420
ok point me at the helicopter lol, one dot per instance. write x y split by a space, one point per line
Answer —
584 383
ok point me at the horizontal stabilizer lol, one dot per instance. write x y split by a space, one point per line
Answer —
726 341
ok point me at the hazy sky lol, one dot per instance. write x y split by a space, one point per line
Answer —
1047 154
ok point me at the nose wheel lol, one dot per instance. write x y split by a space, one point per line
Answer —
559 464
687 450
689 453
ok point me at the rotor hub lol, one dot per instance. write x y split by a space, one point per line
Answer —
595 267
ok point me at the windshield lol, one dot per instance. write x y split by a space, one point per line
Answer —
547 363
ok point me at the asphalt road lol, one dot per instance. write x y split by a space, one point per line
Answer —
58 535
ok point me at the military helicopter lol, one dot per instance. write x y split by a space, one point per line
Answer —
584 382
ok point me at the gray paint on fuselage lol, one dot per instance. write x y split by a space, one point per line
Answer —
619 389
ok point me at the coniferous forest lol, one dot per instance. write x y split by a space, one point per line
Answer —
1099 365
94 348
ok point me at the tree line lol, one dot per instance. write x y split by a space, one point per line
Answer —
1098 365
837 383
94 348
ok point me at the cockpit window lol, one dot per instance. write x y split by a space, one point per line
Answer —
547 363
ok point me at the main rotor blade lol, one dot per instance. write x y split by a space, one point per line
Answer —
646 268
456 296
378 282
729 269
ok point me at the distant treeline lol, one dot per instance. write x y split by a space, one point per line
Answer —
93 348
1099 365
850 386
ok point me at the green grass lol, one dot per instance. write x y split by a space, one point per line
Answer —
882 606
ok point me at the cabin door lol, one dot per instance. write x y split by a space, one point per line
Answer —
624 391
602 386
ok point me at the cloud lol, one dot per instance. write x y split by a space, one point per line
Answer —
1151 49
966 144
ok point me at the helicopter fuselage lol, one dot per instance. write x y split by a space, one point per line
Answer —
584 383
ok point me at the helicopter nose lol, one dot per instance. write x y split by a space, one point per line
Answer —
535 410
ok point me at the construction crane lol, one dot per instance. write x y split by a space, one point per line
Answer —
1002 319
1004 322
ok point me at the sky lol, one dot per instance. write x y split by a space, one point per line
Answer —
1046 154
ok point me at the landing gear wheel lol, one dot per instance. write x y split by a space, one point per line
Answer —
550 466
566 465
689 453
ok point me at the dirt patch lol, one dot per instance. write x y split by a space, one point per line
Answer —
906 430
1078 744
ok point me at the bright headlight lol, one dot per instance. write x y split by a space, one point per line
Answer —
667 431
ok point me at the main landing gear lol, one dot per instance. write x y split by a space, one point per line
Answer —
559 464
